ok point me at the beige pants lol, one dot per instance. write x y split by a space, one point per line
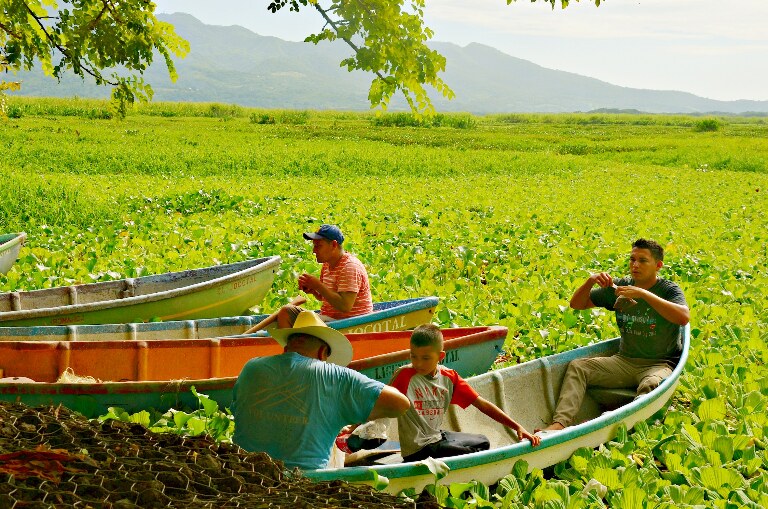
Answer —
613 372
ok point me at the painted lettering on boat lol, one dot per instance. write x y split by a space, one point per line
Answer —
245 282
66 320
451 356
384 373
395 323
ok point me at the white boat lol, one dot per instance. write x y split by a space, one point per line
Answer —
10 245
527 392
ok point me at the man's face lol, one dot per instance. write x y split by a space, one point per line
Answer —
323 249
643 266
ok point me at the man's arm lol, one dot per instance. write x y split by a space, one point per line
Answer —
391 403
498 415
580 299
341 301
676 313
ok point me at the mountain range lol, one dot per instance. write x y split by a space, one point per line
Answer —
234 65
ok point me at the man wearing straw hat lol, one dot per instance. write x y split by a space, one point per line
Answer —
293 405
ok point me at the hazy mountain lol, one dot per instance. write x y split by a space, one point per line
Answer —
234 65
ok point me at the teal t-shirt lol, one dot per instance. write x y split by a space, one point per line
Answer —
645 334
292 407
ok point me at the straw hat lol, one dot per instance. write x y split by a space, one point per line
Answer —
308 322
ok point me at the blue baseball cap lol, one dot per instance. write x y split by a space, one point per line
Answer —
326 232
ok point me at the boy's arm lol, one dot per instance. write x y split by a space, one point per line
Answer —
498 415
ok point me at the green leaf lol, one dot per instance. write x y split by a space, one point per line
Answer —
608 477
712 409
210 407
180 418
438 468
629 498
458 489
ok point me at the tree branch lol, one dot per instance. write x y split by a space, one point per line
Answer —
9 31
65 52
335 27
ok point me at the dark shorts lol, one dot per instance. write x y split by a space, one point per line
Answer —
453 443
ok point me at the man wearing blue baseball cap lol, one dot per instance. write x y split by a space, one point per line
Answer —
342 287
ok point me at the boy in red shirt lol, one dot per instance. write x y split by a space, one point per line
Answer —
431 388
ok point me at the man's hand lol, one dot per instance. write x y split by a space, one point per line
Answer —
580 298
601 278
310 284
631 292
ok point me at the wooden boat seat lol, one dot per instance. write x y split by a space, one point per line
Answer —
611 398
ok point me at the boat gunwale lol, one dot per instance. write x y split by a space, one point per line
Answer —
512 451
219 383
267 262
12 239
407 306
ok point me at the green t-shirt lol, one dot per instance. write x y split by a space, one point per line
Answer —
645 334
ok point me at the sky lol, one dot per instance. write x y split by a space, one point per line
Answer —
716 49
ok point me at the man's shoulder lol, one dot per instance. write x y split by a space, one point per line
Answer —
667 283
668 290
352 259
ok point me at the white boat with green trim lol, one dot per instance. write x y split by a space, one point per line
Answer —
528 392
10 245
220 290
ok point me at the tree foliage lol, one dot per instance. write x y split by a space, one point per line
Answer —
114 41
389 39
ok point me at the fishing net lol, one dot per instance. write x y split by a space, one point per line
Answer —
54 458
69 377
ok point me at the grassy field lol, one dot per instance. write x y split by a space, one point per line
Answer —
502 217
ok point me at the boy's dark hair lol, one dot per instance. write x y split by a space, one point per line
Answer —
651 245
427 334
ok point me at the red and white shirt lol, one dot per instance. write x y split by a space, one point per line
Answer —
430 398
349 275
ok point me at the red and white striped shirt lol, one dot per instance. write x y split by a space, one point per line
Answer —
349 275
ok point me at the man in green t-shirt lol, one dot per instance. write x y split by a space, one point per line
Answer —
650 312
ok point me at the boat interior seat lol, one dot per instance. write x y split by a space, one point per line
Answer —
611 398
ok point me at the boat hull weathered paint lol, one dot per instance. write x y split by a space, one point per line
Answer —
10 245
158 374
527 392
386 316
221 290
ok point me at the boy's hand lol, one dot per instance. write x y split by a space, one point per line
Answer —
522 434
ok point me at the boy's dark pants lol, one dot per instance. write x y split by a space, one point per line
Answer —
452 444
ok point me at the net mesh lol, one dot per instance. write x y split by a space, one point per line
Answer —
52 457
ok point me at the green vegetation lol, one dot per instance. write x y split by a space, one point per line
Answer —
706 125
501 219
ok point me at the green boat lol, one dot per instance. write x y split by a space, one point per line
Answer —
221 290
139 375
10 245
